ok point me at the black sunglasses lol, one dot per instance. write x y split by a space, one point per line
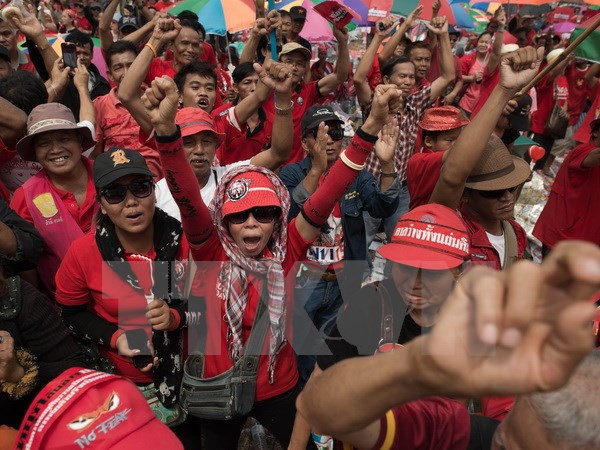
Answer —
496 194
263 214
116 193
335 133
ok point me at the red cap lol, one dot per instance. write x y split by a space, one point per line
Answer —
195 120
431 236
249 190
442 118
92 410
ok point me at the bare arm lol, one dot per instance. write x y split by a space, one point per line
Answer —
106 37
33 30
129 89
361 83
592 76
494 58
516 71
262 27
86 108
440 27
277 76
330 83
391 45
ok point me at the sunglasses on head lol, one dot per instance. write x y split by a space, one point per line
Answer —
335 133
262 214
116 193
497 193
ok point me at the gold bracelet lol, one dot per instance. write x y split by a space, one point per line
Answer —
151 47
349 163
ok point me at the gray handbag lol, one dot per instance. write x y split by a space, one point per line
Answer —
231 393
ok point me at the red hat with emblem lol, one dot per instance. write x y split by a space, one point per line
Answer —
431 236
442 118
86 409
249 190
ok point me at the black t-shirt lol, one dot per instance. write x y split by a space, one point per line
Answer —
358 328
509 136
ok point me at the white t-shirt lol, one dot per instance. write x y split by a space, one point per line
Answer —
499 244
166 202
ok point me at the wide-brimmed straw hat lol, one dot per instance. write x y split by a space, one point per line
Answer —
497 168
51 117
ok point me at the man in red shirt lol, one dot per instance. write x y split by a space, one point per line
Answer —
306 95
571 211
114 124
440 128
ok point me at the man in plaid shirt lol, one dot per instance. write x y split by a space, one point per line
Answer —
401 72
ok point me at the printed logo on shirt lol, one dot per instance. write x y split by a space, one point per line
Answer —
238 189
478 256
45 204
300 101
119 157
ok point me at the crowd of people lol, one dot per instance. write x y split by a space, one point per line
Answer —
189 240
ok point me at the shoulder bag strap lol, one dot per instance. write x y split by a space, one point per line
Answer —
249 362
511 251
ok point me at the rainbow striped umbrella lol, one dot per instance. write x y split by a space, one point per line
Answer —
479 18
220 16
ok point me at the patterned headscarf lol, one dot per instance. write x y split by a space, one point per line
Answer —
235 271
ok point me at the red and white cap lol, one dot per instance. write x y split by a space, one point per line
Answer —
86 409
431 236
249 190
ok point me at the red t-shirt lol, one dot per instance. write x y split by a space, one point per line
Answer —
584 131
488 83
210 255
434 423
578 92
158 68
304 96
115 126
240 143
162 6
548 93
422 173
83 215
85 279
572 209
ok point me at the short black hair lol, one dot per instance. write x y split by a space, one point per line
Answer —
80 39
388 68
433 134
194 68
284 13
118 47
483 34
24 90
242 71
194 25
415 45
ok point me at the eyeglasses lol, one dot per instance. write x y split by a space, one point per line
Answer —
497 194
335 133
263 214
116 193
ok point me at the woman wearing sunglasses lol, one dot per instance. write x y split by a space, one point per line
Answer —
246 247
121 287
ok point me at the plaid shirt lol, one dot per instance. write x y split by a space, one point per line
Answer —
408 120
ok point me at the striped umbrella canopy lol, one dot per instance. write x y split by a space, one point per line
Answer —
463 19
479 18
405 7
220 16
